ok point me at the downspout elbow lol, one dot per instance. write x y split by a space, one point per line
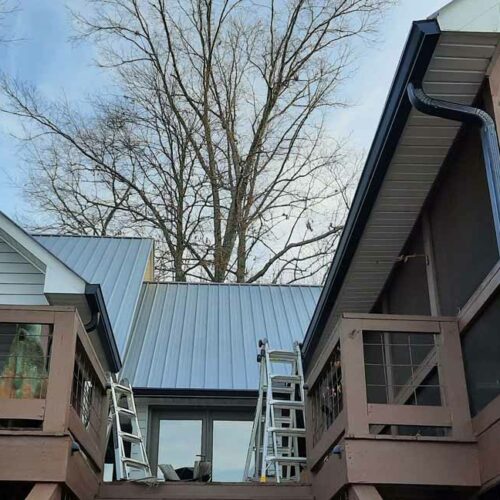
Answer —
489 138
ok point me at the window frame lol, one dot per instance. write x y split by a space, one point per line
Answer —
207 415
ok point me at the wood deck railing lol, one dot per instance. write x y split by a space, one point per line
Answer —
51 380
386 378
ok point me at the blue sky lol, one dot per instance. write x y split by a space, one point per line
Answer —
45 55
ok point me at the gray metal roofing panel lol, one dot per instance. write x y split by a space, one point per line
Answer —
116 264
204 336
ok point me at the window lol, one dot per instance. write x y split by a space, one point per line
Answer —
179 442
230 445
24 360
181 437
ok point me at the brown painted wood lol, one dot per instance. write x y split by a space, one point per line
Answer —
409 415
330 437
433 463
452 368
480 298
81 478
33 458
488 454
17 314
353 378
430 265
90 353
330 478
85 439
45 491
487 417
60 380
202 491
363 492
29 409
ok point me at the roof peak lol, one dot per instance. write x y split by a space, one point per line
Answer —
297 285
55 235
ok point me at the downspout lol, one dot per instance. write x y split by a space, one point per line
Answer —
489 139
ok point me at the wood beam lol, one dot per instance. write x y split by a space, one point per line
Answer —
45 491
363 492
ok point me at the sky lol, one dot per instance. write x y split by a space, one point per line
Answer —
45 55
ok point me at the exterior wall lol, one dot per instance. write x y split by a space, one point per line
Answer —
463 235
21 283
407 290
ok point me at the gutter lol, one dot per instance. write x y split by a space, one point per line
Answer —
412 66
489 138
94 296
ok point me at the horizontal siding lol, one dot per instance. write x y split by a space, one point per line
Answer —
142 418
20 281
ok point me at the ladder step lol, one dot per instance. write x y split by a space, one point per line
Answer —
277 355
135 463
286 379
126 412
283 389
131 438
122 388
288 431
291 405
287 460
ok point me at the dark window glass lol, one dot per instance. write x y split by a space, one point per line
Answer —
481 352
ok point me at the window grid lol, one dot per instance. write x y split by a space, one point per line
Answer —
326 395
391 380
24 360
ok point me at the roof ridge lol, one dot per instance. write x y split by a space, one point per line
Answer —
290 285
55 235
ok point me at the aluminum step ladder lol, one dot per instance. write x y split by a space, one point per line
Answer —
278 432
133 466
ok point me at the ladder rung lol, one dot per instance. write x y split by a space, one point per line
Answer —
288 431
277 355
125 411
132 438
284 389
122 388
135 463
288 460
291 405
286 379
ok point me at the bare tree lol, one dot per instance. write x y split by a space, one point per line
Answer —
217 142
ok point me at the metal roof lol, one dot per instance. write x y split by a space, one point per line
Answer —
116 264
204 336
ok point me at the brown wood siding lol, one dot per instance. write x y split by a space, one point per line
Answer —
462 227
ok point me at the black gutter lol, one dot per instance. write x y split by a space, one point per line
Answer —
489 138
196 393
412 66
94 296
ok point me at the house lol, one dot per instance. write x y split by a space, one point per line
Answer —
400 347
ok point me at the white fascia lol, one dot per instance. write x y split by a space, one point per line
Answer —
59 278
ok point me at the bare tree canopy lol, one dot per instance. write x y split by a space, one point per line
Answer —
215 143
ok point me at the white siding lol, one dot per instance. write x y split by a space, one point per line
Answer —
142 417
20 282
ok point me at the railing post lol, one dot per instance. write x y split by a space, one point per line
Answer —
452 368
62 360
353 378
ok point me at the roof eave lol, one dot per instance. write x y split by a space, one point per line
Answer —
412 66
104 328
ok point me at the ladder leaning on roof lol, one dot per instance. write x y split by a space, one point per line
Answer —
278 431
122 412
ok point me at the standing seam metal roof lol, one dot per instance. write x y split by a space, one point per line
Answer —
204 336
116 264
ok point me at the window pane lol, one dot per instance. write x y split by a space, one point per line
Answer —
231 439
179 442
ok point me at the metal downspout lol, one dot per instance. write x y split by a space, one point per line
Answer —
489 139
